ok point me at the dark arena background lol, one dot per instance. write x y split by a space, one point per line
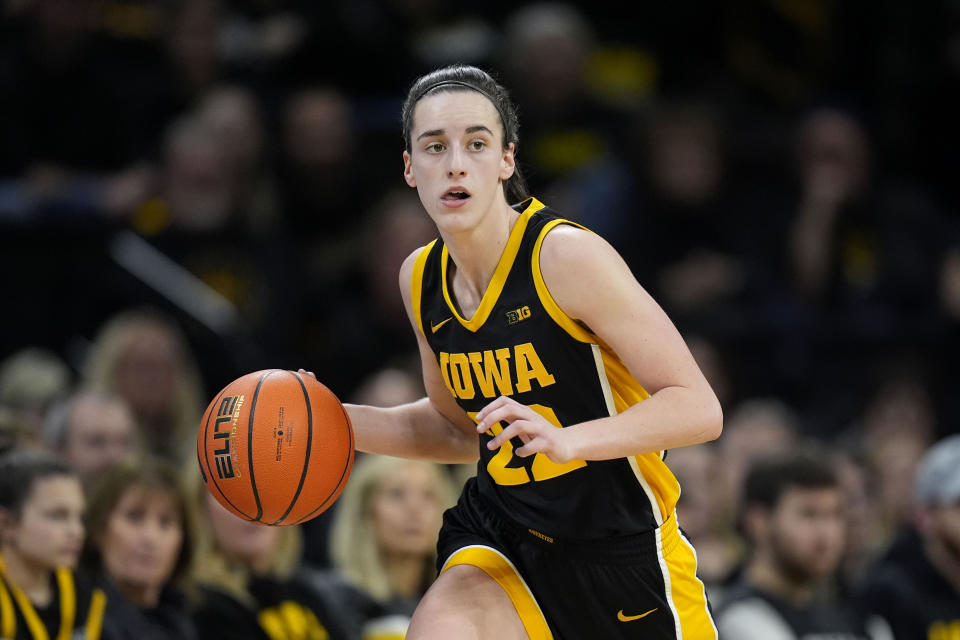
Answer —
191 190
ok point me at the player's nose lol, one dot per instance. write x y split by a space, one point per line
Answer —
456 166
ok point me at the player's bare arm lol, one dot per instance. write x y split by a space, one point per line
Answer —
433 428
593 285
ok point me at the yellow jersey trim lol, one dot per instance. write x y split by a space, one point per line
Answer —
686 594
68 603
495 287
559 316
8 616
416 284
498 567
94 626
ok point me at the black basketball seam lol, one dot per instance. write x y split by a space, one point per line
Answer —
342 473
206 455
253 407
306 461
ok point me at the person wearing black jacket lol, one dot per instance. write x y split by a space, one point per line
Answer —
139 549
916 584
248 584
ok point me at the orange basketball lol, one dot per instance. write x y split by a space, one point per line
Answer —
275 447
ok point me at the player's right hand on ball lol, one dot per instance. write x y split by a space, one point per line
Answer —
304 372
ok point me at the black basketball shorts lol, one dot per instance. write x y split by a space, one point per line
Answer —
640 586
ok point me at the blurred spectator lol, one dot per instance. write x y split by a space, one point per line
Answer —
384 539
389 387
324 187
91 431
31 380
234 114
200 188
214 215
249 586
705 514
862 254
41 535
715 366
192 47
15 433
916 584
684 233
566 145
896 427
793 515
143 357
369 328
867 533
139 547
753 429
69 150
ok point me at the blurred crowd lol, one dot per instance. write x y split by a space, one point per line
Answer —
191 190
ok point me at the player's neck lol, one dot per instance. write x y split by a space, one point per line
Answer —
762 573
33 578
476 253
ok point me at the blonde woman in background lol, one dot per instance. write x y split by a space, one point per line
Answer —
143 356
248 583
384 538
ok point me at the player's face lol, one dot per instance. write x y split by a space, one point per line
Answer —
457 160
807 531
407 510
49 530
142 538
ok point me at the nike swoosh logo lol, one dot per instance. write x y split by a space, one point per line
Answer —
623 618
435 327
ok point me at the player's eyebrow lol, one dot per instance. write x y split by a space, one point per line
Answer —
438 132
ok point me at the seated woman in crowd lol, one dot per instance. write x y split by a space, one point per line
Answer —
384 539
41 535
139 545
248 588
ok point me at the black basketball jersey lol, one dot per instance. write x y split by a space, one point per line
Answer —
519 343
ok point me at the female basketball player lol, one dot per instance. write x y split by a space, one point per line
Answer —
535 336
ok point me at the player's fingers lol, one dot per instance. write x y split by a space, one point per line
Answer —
507 412
515 429
535 445
501 401
304 372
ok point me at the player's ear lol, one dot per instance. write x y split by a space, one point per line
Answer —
407 170
508 163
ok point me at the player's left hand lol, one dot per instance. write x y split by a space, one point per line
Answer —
536 432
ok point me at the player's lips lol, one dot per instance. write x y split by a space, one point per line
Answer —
455 196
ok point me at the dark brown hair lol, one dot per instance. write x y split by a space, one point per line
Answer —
152 474
469 78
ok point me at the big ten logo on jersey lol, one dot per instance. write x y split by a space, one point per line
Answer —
494 372
517 315
225 430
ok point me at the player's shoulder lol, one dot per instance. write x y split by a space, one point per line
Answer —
410 262
567 249
409 266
